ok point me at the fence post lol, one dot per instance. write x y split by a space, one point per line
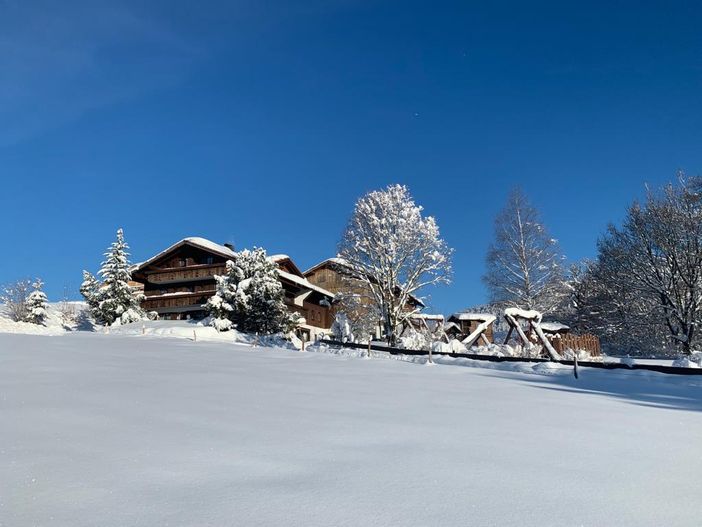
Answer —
304 338
194 336
369 349
431 360
575 363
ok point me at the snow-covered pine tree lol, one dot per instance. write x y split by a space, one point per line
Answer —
113 301
250 296
37 304
220 307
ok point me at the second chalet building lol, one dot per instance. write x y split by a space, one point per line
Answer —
178 281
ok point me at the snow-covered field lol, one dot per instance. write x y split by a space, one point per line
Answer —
142 430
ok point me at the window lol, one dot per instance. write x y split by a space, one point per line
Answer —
209 260
181 262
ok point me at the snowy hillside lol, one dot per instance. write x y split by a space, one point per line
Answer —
61 317
142 431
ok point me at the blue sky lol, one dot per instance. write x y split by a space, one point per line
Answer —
261 123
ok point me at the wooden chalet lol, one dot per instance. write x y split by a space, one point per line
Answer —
178 281
334 275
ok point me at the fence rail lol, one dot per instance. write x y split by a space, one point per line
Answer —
491 358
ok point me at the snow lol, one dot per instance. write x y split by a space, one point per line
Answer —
528 314
193 240
304 283
53 324
553 326
473 316
126 429
427 316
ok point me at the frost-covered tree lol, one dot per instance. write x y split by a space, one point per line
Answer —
14 298
524 263
112 300
650 268
250 296
37 304
396 251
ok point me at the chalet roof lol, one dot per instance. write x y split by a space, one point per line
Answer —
304 283
285 260
327 263
341 262
196 241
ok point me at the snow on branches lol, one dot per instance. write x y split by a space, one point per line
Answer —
524 263
250 296
113 301
396 251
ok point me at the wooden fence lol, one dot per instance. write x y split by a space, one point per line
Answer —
586 342
491 358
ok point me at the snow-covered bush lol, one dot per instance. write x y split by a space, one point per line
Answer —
37 304
14 297
250 296
113 301
415 340
694 360
341 328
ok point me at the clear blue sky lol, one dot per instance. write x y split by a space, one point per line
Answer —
261 123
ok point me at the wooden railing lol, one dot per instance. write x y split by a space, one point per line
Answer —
186 274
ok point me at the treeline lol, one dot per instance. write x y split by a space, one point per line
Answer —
642 292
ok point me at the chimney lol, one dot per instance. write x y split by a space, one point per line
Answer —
229 246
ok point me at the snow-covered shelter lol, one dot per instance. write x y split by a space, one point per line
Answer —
461 325
178 281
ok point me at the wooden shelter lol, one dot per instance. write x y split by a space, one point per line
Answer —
467 324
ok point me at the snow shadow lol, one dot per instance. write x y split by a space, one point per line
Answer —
669 392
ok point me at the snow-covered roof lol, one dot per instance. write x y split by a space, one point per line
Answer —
527 314
193 240
279 257
336 260
427 316
554 326
481 317
304 283
449 325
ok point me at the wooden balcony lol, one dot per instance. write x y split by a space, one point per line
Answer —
185 274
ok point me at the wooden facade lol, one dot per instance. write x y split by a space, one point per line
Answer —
334 275
178 281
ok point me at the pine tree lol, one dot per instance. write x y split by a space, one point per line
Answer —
113 301
250 296
37 304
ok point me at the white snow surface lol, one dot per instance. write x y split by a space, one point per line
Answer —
527 314
142 430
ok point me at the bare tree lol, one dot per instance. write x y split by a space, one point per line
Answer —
14 296
395 251
655 261
524 262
